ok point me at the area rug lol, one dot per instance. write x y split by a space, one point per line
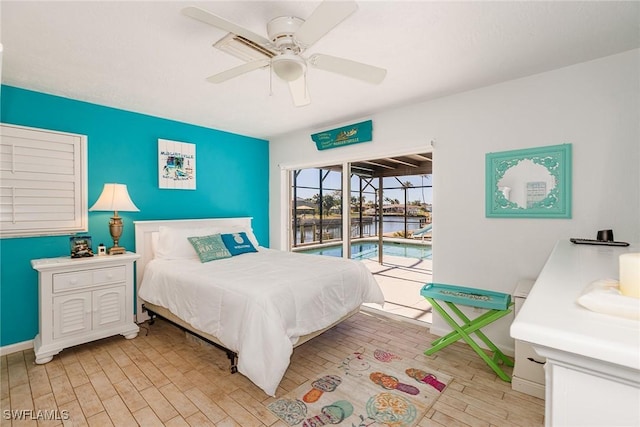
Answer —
368 388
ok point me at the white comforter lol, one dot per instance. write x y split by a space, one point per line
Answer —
258 304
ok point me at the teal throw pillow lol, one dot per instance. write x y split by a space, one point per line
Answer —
238 243
209 248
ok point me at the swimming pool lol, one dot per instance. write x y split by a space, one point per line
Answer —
361 250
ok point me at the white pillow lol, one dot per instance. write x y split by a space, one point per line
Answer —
173 243
154 242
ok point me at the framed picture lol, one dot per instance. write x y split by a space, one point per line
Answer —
176 165
80 246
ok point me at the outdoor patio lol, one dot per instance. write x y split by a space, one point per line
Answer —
401 280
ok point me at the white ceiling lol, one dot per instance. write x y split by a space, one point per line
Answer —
149 58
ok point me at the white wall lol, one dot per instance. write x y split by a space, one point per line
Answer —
594 106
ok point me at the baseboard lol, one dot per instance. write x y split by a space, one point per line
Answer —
383 313
528 387
14 348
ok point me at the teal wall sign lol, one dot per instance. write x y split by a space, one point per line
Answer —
529 183
347 135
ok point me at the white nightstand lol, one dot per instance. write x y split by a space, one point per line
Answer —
83 299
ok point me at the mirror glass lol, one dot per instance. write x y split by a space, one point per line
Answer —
534 182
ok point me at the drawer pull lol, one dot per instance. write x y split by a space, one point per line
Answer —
531 359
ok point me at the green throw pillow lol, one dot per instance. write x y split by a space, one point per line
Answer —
209 248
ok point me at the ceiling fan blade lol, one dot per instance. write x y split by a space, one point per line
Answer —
221 23
349 68
237 71
323 19
299 92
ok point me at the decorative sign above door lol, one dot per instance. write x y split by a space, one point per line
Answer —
346 135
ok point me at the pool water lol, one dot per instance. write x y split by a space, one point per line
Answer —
362 250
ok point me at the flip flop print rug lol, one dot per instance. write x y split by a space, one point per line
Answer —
368 388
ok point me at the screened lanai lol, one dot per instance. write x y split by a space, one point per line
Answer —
389 197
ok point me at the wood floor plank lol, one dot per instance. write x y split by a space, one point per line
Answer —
131 397
137 378
75 372
146 417
89 400
62 389
207 406
118 412
199 420
178 400
100 419
39 381
102 385
159 404
75 416
17 371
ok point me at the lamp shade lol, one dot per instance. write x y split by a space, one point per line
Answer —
114 197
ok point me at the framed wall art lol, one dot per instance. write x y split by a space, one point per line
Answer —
176 165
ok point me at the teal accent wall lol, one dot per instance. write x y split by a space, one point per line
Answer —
232 179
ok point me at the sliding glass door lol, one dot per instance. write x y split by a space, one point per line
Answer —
317 210
347 210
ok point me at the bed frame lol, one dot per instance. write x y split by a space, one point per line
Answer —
147 311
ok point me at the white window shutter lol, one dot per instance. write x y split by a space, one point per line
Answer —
43 182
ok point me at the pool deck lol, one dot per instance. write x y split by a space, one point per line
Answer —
401 280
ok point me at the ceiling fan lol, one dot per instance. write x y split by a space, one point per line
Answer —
289 37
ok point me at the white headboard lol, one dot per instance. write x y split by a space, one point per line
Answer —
145 229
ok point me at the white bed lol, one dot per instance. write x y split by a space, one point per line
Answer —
257 305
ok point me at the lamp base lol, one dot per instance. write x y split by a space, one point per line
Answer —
117 250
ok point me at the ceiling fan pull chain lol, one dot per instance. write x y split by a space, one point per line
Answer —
306 88
270 80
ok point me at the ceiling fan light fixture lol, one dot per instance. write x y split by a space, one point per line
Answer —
288 66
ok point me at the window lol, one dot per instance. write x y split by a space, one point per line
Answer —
43 182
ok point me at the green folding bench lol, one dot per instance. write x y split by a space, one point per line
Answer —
497 305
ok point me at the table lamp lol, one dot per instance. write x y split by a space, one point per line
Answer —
115 197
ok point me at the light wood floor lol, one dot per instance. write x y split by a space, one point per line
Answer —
165 378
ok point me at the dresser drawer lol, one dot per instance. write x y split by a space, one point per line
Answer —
80 279
528 364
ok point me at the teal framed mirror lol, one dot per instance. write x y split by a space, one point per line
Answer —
529 183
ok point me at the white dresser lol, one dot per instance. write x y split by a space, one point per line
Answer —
593 359
83 299
528 372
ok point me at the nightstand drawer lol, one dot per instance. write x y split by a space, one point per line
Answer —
66 281
109 275
80 279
